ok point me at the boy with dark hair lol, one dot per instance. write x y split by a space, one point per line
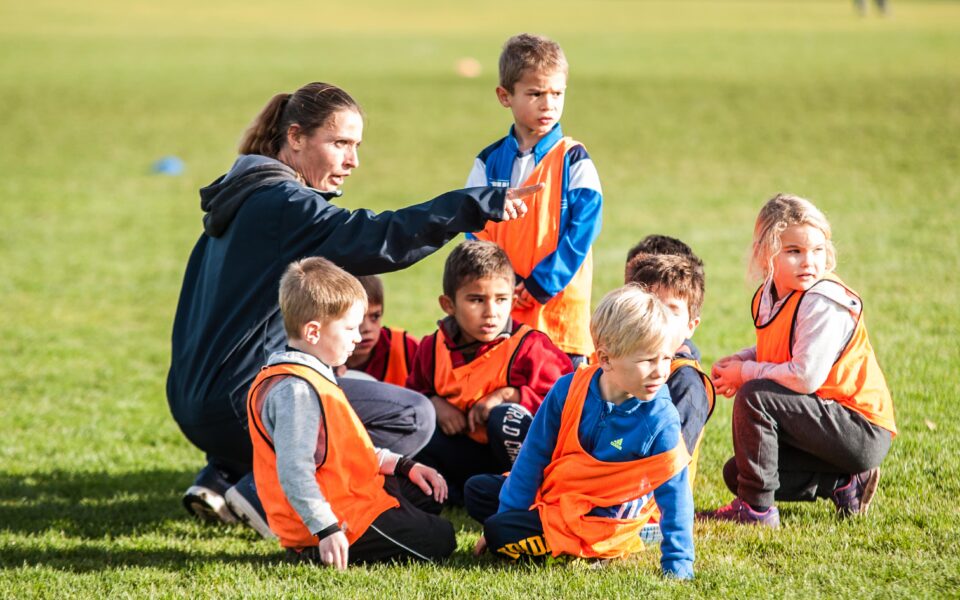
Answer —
485 373
656 243
329 494
678 282
384 353
551 248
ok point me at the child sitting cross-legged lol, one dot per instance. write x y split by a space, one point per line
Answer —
603 453
329 495
485 373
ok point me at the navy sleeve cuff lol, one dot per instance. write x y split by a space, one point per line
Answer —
542 296
327 531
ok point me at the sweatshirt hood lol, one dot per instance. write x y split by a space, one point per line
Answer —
222 199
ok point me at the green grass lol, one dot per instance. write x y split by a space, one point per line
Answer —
695 113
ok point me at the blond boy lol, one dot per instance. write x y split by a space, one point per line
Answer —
603 453
329 494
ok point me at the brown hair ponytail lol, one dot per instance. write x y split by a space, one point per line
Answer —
309 107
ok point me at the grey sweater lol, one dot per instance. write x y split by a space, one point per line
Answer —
292 417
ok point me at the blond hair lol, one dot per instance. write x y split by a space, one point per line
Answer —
527 51
627 320
780 212
315 289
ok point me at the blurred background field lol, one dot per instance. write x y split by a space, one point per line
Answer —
694 112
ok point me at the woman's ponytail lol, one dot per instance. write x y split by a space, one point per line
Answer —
264 136
309 107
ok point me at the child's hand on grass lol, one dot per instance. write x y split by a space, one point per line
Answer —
449 417
429 480
334 550
480 547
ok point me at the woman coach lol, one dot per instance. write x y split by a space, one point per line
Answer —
271 208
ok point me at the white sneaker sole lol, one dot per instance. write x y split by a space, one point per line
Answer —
248 514
207 505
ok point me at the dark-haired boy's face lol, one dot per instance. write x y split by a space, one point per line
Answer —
481 308
678 313
369 334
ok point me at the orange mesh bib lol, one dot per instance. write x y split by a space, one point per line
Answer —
349 476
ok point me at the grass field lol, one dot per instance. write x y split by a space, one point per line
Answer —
694 112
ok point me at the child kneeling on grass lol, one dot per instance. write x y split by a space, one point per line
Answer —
813 417
329 495
603 453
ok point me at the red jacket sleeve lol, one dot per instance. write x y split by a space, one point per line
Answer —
421 371
536 366
411 344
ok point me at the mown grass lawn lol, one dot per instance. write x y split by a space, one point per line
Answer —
695 113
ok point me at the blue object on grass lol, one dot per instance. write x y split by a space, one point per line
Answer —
168 165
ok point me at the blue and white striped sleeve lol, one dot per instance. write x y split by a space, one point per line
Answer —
579 229
478 174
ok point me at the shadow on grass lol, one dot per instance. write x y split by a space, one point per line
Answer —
88 558
91 504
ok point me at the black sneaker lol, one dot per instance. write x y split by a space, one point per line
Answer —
245 504
204 499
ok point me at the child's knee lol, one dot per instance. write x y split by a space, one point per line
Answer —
507 426
445 540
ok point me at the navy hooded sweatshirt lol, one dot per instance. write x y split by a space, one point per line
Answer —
258 219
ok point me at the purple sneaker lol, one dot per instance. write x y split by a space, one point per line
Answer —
739 511
854 498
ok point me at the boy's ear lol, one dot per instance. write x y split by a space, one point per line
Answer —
694 323
603 359
503 96
310 332
446 304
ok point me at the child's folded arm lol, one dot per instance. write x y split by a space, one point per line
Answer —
292 415
675 500
520 489
536 367
823 329
555 271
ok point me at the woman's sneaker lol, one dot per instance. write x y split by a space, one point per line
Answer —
245 504
205 498
855 497
739 511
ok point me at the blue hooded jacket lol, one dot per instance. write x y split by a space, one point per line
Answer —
260 218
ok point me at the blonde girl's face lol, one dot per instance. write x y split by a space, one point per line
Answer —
802 259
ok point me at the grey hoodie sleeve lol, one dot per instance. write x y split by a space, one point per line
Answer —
824 326
292 416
